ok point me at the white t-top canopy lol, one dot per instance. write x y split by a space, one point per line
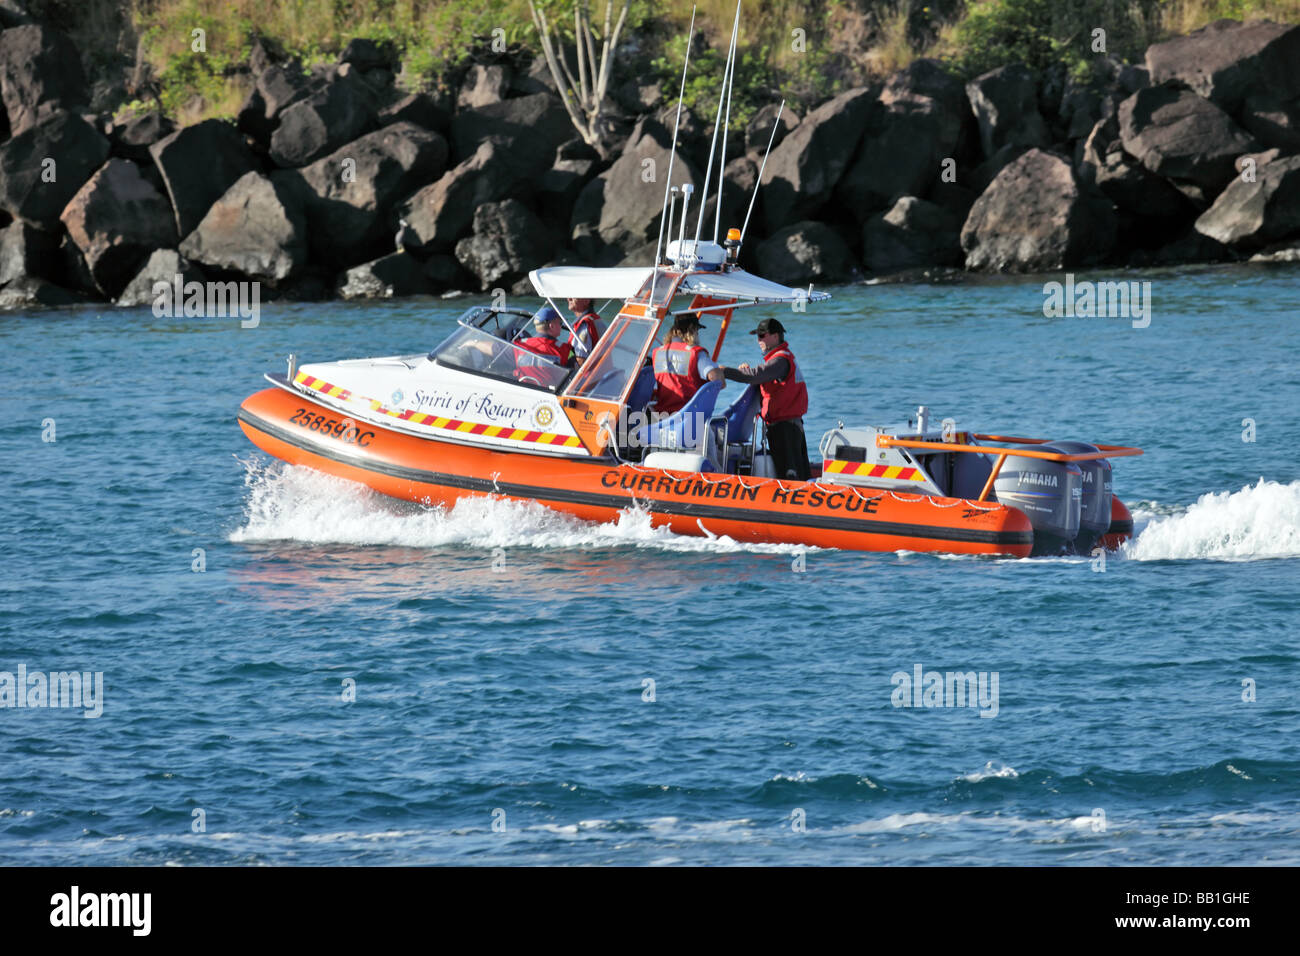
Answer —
588 282
739 284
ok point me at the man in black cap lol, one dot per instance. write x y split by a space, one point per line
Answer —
785 399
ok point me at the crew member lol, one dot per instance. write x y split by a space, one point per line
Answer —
587 328
785 399
544 341
681 366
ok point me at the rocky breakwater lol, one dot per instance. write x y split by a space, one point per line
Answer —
335 181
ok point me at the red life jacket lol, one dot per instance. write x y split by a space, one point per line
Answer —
677 375
588 330
528 369
784 399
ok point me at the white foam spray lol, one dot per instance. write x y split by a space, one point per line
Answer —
1259 521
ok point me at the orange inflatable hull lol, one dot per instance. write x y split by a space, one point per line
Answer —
743 508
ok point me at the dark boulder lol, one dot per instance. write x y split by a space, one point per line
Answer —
198 164
912 234
1272 121
538 122
132 137
275 89
444 272
337 113
116 219
1035 216
256 229
1182 137
902 123
367 54
419 109
804 170
396 274
163 265
25 250
804 252
39 67
1005 104
350 195
439 214
559 186
634 187
987 171
1252 214
759 131
44 166
508 242
1227 60
1127 183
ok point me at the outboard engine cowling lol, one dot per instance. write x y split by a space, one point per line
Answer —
1094 516
1050 493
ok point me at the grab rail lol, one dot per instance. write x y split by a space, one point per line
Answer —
1105 451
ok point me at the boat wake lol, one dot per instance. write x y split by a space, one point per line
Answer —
290 503
1259 521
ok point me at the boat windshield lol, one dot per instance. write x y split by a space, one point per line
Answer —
615 361
476 350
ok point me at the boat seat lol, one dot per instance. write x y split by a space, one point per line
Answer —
673 431
740 415
644 389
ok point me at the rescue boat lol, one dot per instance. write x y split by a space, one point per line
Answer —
481 414
485 414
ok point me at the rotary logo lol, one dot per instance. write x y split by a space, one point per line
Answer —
544 415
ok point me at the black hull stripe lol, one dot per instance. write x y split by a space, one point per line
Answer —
618 502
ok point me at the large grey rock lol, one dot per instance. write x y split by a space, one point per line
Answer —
31 291
116 219
1186 139
256 229
1227 60
1253 214
634 187
336 114
537 122
44 166
163 265
1005 104
1034 216
804 252
275 88
912 234
508 242
901 124
1126 182
804 170
439 214
366 54
418 108
396 274
39 67
484 84
350 195
198 164
25 250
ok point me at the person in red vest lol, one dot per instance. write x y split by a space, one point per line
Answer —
681 366
544 341
587 328
785 399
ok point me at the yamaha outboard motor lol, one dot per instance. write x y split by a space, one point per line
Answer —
1050 493
1094 517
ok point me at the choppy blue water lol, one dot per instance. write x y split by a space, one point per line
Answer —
517 695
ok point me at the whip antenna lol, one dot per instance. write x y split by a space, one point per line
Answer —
671 156
717 122
726 125
758 182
